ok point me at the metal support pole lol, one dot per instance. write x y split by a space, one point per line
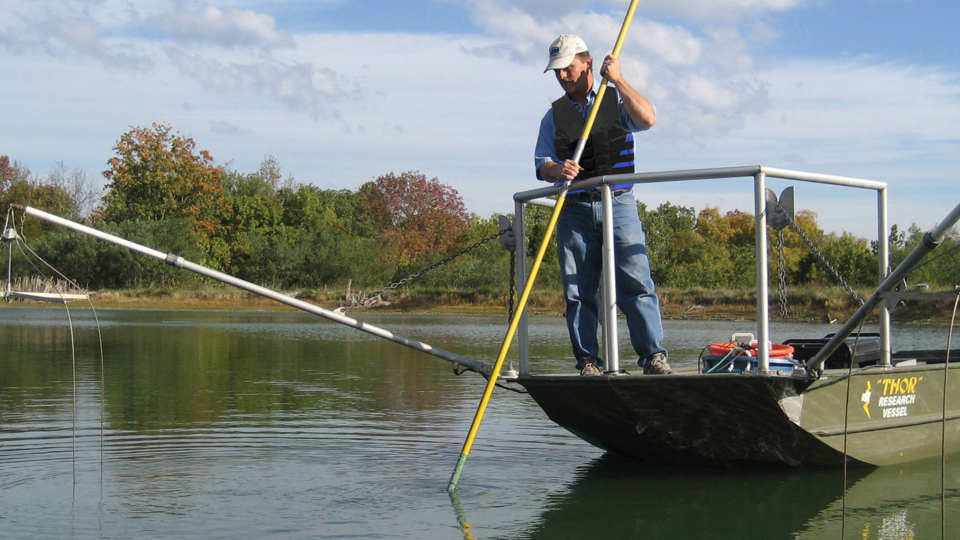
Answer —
9 264
883 256
611 348
7 237
523 332
763 273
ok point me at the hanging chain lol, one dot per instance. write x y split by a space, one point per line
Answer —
513 288
364 300
782 276
840 279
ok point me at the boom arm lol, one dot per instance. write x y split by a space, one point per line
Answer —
175 260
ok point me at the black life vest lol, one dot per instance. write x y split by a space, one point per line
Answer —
609 148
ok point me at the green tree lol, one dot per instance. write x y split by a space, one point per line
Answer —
313 209
853 259
484 270
95 264
251 216
939 268
669 230
537 219
330 238
19 186
730 241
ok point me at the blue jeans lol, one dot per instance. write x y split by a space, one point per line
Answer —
580 242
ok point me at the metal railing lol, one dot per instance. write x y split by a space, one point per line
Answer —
759 174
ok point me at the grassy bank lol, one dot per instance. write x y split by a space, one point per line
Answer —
815 303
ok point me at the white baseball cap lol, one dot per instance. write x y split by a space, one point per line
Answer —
563 49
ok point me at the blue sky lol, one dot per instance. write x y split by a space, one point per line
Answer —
342 91
914 31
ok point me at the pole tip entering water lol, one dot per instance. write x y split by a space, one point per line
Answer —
455 478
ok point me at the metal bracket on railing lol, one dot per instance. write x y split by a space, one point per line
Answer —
780 212
508 238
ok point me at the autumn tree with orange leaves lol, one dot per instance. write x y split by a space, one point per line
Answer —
157 175
415 216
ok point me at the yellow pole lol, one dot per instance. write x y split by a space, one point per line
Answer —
603 84
522 304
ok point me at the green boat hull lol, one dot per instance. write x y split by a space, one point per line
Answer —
689 419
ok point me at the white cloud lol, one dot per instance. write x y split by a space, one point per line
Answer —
675 45
863 99
69 37
299 86
693 10
230 28
702 80
75 33
219 126
718 11
526 36
708 94
211 74
116 32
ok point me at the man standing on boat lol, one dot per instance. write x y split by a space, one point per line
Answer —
609 150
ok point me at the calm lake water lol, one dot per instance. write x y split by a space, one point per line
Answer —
281 425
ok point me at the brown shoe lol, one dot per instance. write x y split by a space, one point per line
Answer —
590 370
657 365
590 365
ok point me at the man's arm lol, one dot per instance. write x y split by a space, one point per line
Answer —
638 107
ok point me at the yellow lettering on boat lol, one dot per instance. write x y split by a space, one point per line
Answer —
900 385
898 393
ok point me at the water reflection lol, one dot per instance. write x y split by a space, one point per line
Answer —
223 425
615 498
622 500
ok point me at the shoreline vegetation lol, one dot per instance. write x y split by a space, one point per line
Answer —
314 243
810 304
